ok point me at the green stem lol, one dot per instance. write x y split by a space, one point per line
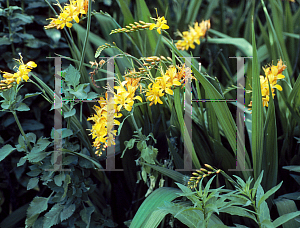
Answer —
21 129
135 125
45 95
80 118
87 34
10 33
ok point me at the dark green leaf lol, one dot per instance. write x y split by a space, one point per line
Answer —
22 107
67 212
41 145
32 183
65 132
86 215
72 76
79 92
58 179
32 94
37 205
53 216
5 41
32 125
70 113
5 151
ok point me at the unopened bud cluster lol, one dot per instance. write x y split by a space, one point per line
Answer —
201 173
136 26
154 60
4 86
102 47
135 74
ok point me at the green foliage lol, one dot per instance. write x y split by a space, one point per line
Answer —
205 204
151 143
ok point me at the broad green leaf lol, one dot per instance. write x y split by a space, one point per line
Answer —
31 137
86 215
70 113
22 107
41 145
92 95
32 183
52 217
79 92
72 76
67 212
5 151
58 179
65 132
37 206
155 218
36 157
152 202
190 216
149 154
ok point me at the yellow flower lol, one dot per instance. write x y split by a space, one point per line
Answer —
22 72
125 98
193 35
172 74
272 74
164 84
161 23
101 130
67 14
154 93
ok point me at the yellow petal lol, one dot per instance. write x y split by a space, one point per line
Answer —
152 26
165 26
31 64
169 91
278 87
139 98
69 25
280 76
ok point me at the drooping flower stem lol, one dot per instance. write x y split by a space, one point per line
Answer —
135 125
21 129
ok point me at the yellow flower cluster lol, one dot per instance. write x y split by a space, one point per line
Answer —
102 128
21 74
273 73
69 13
124 98
193 35
163 84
